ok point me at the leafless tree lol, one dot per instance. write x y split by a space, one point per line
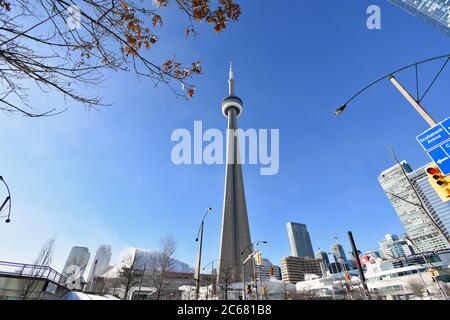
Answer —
358 293
129 273
416 287
65 46
376 294
162 263
226 277
420 204
33 276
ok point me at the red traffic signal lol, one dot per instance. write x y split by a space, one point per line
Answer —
439 182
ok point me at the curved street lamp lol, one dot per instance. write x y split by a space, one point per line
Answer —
415 102
200 233
8 199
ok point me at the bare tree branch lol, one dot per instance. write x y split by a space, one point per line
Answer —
66 46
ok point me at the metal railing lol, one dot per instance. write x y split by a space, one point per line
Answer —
32 271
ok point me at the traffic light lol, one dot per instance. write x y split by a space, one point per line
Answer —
347 276
434 272
439 182
258 257
271 271
264 290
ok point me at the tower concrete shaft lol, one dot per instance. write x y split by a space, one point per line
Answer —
235 243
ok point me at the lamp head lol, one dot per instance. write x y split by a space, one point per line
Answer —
340 109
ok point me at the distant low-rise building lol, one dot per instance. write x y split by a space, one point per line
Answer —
393 247
294 269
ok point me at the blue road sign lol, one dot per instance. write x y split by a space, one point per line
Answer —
442 159
435 135
446 147
446 124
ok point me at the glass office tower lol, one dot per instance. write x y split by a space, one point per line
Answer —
434 12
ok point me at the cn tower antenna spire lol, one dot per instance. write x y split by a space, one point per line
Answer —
231 80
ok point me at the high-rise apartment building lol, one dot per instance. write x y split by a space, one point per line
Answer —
439 210
299 240
101 262
76 262
397 182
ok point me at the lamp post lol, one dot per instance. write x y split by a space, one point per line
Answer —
253 264
8 199
200 233
212 270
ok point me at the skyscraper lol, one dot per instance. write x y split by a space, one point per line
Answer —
235 237
76 262
397 184
299 240
434 12
101 261
439 210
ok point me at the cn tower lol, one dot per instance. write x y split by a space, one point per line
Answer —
235 238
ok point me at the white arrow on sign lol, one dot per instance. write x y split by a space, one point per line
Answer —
442 160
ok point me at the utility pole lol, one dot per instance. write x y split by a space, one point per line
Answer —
254 274
358 264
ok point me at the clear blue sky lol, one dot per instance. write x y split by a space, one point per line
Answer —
106 177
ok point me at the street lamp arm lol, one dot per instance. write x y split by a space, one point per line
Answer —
387 76
253 244
202 221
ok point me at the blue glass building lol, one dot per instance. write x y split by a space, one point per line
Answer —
434 12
